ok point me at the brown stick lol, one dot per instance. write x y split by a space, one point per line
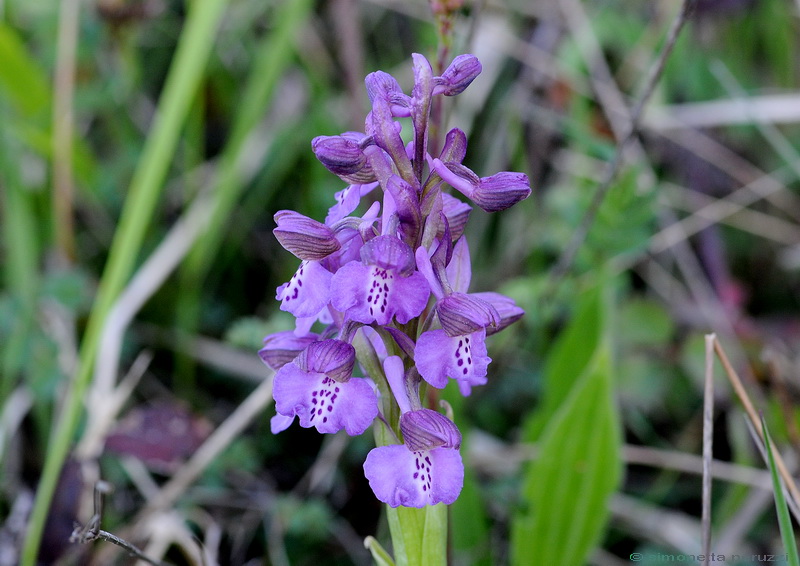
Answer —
752 414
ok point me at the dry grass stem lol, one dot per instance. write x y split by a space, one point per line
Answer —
771 134
495 458
63 126
625 133
762 109
715 211
671 529
708 446
761 224
755 421
147 280
762 449
222 437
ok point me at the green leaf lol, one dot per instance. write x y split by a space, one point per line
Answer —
567 361
566 489
785 522
379 554
22 79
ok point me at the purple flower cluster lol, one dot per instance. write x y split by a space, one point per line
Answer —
395 281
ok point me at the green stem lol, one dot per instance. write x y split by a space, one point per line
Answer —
184 76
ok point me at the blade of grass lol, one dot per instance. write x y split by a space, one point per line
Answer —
272 59
741 392
184 76
784 521
21 253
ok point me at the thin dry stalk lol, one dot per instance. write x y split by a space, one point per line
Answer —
763 109
654 74
761 224
222 437
63 121
755 421
692 464
708 446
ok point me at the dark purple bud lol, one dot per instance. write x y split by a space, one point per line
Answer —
425 429
421 108
462 314
333 358
385 86
457 214
501 191
343 156
407 204
384 130
506 307
455 146
388 252
458 76
305 237
283 347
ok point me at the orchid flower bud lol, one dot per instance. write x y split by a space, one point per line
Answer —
305 237
344 156
461 314
425 429
458 75
506 307
493 194
283 347
385 86
501 190
334 358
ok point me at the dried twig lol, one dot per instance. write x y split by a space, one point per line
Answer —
708 438
91 531
63 122
755 420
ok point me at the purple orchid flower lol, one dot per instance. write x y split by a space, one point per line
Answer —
307 292
317 387
493 194
377 271
427 469
381 286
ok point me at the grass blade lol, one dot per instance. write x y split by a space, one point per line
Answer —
784 521
184 77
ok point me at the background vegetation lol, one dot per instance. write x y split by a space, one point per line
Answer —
145 146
